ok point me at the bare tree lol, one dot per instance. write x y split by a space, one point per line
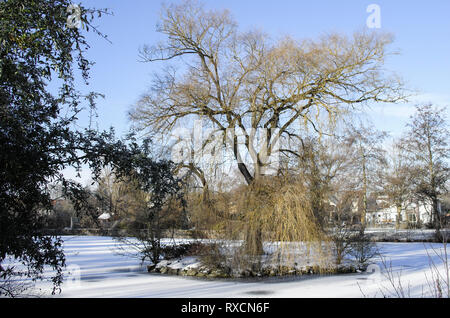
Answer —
111 194
240 82
256 92
397 181
369 156
426 145
324 165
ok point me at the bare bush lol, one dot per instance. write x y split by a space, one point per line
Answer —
363 250
342 238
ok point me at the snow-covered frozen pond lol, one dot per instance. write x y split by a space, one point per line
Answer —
104 273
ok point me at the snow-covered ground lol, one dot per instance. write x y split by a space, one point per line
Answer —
96 270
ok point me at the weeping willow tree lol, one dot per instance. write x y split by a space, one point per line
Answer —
277 211
239 82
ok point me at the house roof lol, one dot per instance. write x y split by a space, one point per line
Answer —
104 216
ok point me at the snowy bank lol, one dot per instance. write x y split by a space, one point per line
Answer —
97 271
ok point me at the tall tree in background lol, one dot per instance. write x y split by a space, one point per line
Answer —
426 145
324 164
113 196
369 157
397 181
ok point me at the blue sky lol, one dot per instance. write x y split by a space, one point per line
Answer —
421 30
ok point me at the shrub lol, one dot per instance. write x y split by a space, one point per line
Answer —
363 250
181 250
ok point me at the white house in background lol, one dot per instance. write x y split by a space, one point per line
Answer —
413 212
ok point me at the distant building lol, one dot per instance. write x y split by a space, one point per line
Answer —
105 219
104 216
412 212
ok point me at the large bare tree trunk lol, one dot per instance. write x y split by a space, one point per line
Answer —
253 236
